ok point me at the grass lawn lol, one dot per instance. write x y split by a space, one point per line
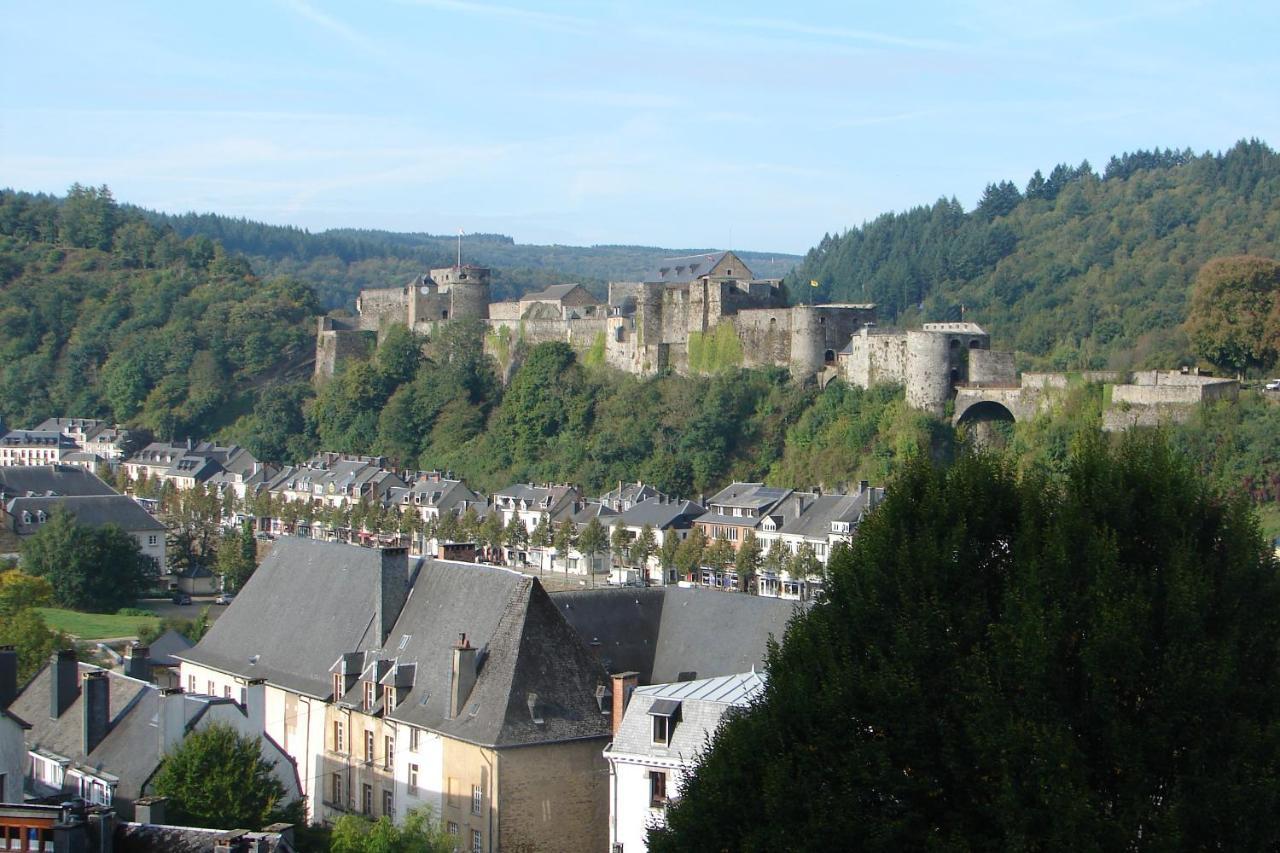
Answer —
94 626
1269 518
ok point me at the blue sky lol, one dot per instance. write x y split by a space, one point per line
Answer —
751 125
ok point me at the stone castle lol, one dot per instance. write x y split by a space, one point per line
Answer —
694 314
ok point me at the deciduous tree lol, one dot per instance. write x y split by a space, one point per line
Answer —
218 778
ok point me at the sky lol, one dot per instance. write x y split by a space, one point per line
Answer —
739 125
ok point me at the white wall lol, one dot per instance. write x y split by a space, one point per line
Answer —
430 760
630 814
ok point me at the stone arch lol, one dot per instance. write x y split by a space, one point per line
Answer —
985 410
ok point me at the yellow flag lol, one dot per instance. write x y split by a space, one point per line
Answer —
813 282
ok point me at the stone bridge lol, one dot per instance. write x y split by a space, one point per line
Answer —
996 402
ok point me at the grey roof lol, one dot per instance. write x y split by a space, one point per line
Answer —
37 438
130 751
51 479
164 647
690 267
818 513
306 604
89 510
660 514
527 649
662 632
748 495
555 292
698 707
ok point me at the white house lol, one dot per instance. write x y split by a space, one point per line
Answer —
656 743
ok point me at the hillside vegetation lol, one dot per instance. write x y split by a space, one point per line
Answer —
1074 270
339 263
105 315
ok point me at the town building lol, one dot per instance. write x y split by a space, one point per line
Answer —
667 518
453 685
100 735
656 743
13 751
189 464
34 447
24 516
96 437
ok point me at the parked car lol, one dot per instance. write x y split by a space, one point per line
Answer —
224 598
181 598
1273 385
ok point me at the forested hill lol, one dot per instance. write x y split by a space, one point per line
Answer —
105 315
1074 270
341 262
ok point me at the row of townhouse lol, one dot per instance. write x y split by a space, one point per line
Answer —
30 494
188 464
85 442
394 683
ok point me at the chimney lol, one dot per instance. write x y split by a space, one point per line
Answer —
102 830
624 683
66 682
175 713
863 485
137 663
393 589
70 834
255 705
150 810
97 708
463 676
8 675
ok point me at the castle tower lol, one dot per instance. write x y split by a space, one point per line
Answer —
467 288
928 371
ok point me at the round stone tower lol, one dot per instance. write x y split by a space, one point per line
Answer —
806 342
928 371
468 289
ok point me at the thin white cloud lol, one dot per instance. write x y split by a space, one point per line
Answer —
841 33
550 20
339 28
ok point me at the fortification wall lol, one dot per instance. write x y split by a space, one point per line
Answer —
992 367
928 371
469 300
336 342
504 310
426 308
1175 394
626 294
765 334
675 315
379 307
875 358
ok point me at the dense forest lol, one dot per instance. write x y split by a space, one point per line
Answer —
1076 269
105 315
340 262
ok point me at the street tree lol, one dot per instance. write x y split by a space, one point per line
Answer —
217 778
1074 661
748 560
420 832
593 539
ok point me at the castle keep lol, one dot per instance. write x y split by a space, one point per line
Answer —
694 314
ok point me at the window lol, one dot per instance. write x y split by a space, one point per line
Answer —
477 841
414 742
152 540
336 789
337 687
665 713
339 736
413 778
388 751
368 746
226 691
453 827
366 799
477 800
388 804
657 789
191 684
368 696
213 688
244 696
388 699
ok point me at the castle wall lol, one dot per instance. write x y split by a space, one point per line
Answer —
379 307
989 367
504 310
876 358
765 335
336 342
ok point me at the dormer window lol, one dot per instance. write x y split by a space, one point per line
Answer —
666 714
388 698
337 687
370 695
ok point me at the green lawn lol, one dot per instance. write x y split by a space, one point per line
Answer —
94 626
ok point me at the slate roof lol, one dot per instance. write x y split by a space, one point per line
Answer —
555 293
306 604
164 647
816 518
51 479
89 510
130 751
660 514
662 632
690 267
154 838
527 650
37 438
310 603
701 705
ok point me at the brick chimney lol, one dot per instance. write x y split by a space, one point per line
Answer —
150 810
97 709
8 675
66 682
393 588
137 662
463 676
624 683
